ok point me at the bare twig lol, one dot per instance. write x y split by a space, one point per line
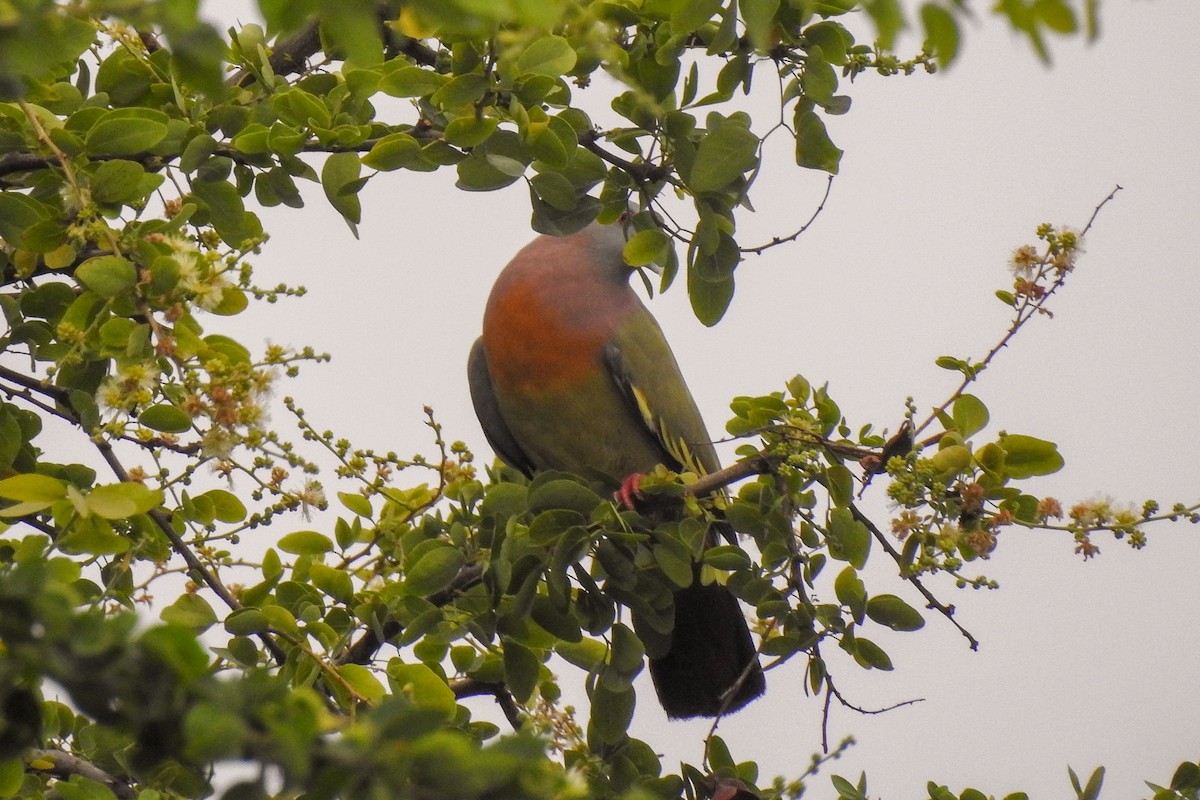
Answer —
1025 313
778 240
932 602
831 691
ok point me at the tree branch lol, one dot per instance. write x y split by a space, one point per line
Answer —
777 240
932 602
469 687
63 765
289 55
363 650
1026 312
643 172
195 565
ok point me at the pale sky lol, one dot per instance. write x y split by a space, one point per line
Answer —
1081 663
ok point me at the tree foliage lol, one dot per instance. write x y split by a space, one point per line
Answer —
136 140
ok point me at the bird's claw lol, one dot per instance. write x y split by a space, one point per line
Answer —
630 491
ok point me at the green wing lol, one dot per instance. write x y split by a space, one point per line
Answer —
644 369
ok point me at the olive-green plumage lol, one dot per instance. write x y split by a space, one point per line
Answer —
572 373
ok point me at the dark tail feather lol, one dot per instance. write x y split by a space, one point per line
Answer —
710 651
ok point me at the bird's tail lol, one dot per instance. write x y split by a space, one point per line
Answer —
710 666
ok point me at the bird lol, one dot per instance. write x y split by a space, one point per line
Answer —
572 373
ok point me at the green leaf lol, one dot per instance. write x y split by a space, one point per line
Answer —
521 670
546 219
18 213
411 82
890 610
12 771
356 503
246 621
556 189
555 620
691 14
126 131
587 654
190 611
647 247
93 536
759 16
122 500
1056 15
612 711
970 415
227 211
299 108
675 562
423 686
627 650
1092 790
840 482
469 131
563 493
334 582
166 418
119 181
460 91
728 150
870 655
305 543
353 28
107 276
727 557
851 592
213 732
819 81
393 151
888 16
848 539
833 39
363 682
550 55
710 299
1027 457
434 569
814 149
339 179
950 461
941 32
33 488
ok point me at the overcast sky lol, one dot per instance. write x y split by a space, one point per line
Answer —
1081 663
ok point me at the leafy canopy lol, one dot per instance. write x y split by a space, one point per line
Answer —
136 142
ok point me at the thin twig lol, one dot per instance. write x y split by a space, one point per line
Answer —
831 691
195 566
1026 312
778 240
932 602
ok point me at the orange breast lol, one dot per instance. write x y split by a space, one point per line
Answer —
545 332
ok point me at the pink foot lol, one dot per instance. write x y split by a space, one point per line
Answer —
630 490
